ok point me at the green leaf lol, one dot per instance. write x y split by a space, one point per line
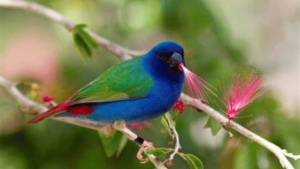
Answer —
90 41
159 153
155 150
168 122
122 145
208 123
81 47
79 27
84 42
165 124
213 125
113 144
193 161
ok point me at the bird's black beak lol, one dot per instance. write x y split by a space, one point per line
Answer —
175 59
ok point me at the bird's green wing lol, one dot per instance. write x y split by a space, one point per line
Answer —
124 81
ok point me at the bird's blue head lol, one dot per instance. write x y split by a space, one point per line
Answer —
164 60
170 54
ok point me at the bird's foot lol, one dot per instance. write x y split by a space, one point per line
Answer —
145 146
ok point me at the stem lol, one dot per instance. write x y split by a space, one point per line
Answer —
177 143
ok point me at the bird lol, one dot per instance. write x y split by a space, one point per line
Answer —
131 91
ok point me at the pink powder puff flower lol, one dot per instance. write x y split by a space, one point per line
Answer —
241 93
196 86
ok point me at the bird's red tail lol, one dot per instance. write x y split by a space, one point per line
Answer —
54 110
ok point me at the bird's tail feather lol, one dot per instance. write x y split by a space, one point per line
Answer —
54 110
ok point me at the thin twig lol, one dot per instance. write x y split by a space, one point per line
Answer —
177 143
280 153
291 155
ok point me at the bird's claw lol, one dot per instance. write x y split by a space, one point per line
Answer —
145 146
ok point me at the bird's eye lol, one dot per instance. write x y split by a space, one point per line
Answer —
164 55
161 56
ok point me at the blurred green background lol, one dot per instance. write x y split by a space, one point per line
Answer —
220 39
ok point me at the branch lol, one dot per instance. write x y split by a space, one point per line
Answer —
280 153
119 51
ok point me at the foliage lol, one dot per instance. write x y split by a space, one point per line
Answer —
161 153
213 125
114 143
193 161
84 42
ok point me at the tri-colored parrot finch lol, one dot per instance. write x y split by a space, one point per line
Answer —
132 91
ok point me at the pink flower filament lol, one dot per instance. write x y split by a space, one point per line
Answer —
242 93
196 86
